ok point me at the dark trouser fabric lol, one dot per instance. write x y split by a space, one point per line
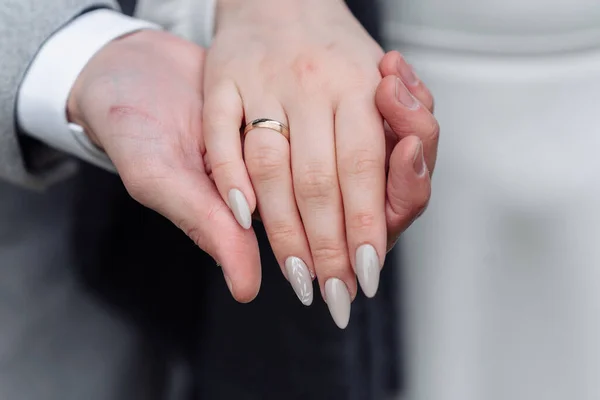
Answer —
273 348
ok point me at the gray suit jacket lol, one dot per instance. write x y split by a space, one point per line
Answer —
56 341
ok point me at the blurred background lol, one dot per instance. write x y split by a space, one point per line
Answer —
501 276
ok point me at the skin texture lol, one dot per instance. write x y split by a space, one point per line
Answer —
141 100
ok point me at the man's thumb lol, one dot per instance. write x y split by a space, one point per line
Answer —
191 201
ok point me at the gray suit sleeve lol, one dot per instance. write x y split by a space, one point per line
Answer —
24 26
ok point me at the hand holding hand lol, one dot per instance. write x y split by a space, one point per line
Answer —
140 99
412 136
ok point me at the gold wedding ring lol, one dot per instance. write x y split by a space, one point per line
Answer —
267 124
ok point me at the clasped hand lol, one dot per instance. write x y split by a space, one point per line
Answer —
333 199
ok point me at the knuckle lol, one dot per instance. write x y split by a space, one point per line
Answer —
360 78
307 70
401 203
361 163
305 64
360 221
397 120
316 184
329 252
281 232
355 84
265 163
224 168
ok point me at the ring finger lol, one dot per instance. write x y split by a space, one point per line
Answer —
267 155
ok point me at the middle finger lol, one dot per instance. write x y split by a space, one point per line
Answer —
319 200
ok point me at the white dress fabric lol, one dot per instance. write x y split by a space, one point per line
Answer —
501 277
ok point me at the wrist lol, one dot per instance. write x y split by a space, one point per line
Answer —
281 11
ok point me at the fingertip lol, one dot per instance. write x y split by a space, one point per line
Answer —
395 64
236 250
245 290
244 293
240 208
399 108
389 62
241 269
339 301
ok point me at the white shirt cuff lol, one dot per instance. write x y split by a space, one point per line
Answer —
44 92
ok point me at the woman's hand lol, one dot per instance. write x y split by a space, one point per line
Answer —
321 196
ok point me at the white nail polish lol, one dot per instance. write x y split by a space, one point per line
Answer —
240 208
338 301
367 269
300 279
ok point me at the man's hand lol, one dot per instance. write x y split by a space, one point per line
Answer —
140 99
412 137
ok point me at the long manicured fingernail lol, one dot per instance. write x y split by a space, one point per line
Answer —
407 73
240 208
338 301
300 279
367 269
404 96
419 160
